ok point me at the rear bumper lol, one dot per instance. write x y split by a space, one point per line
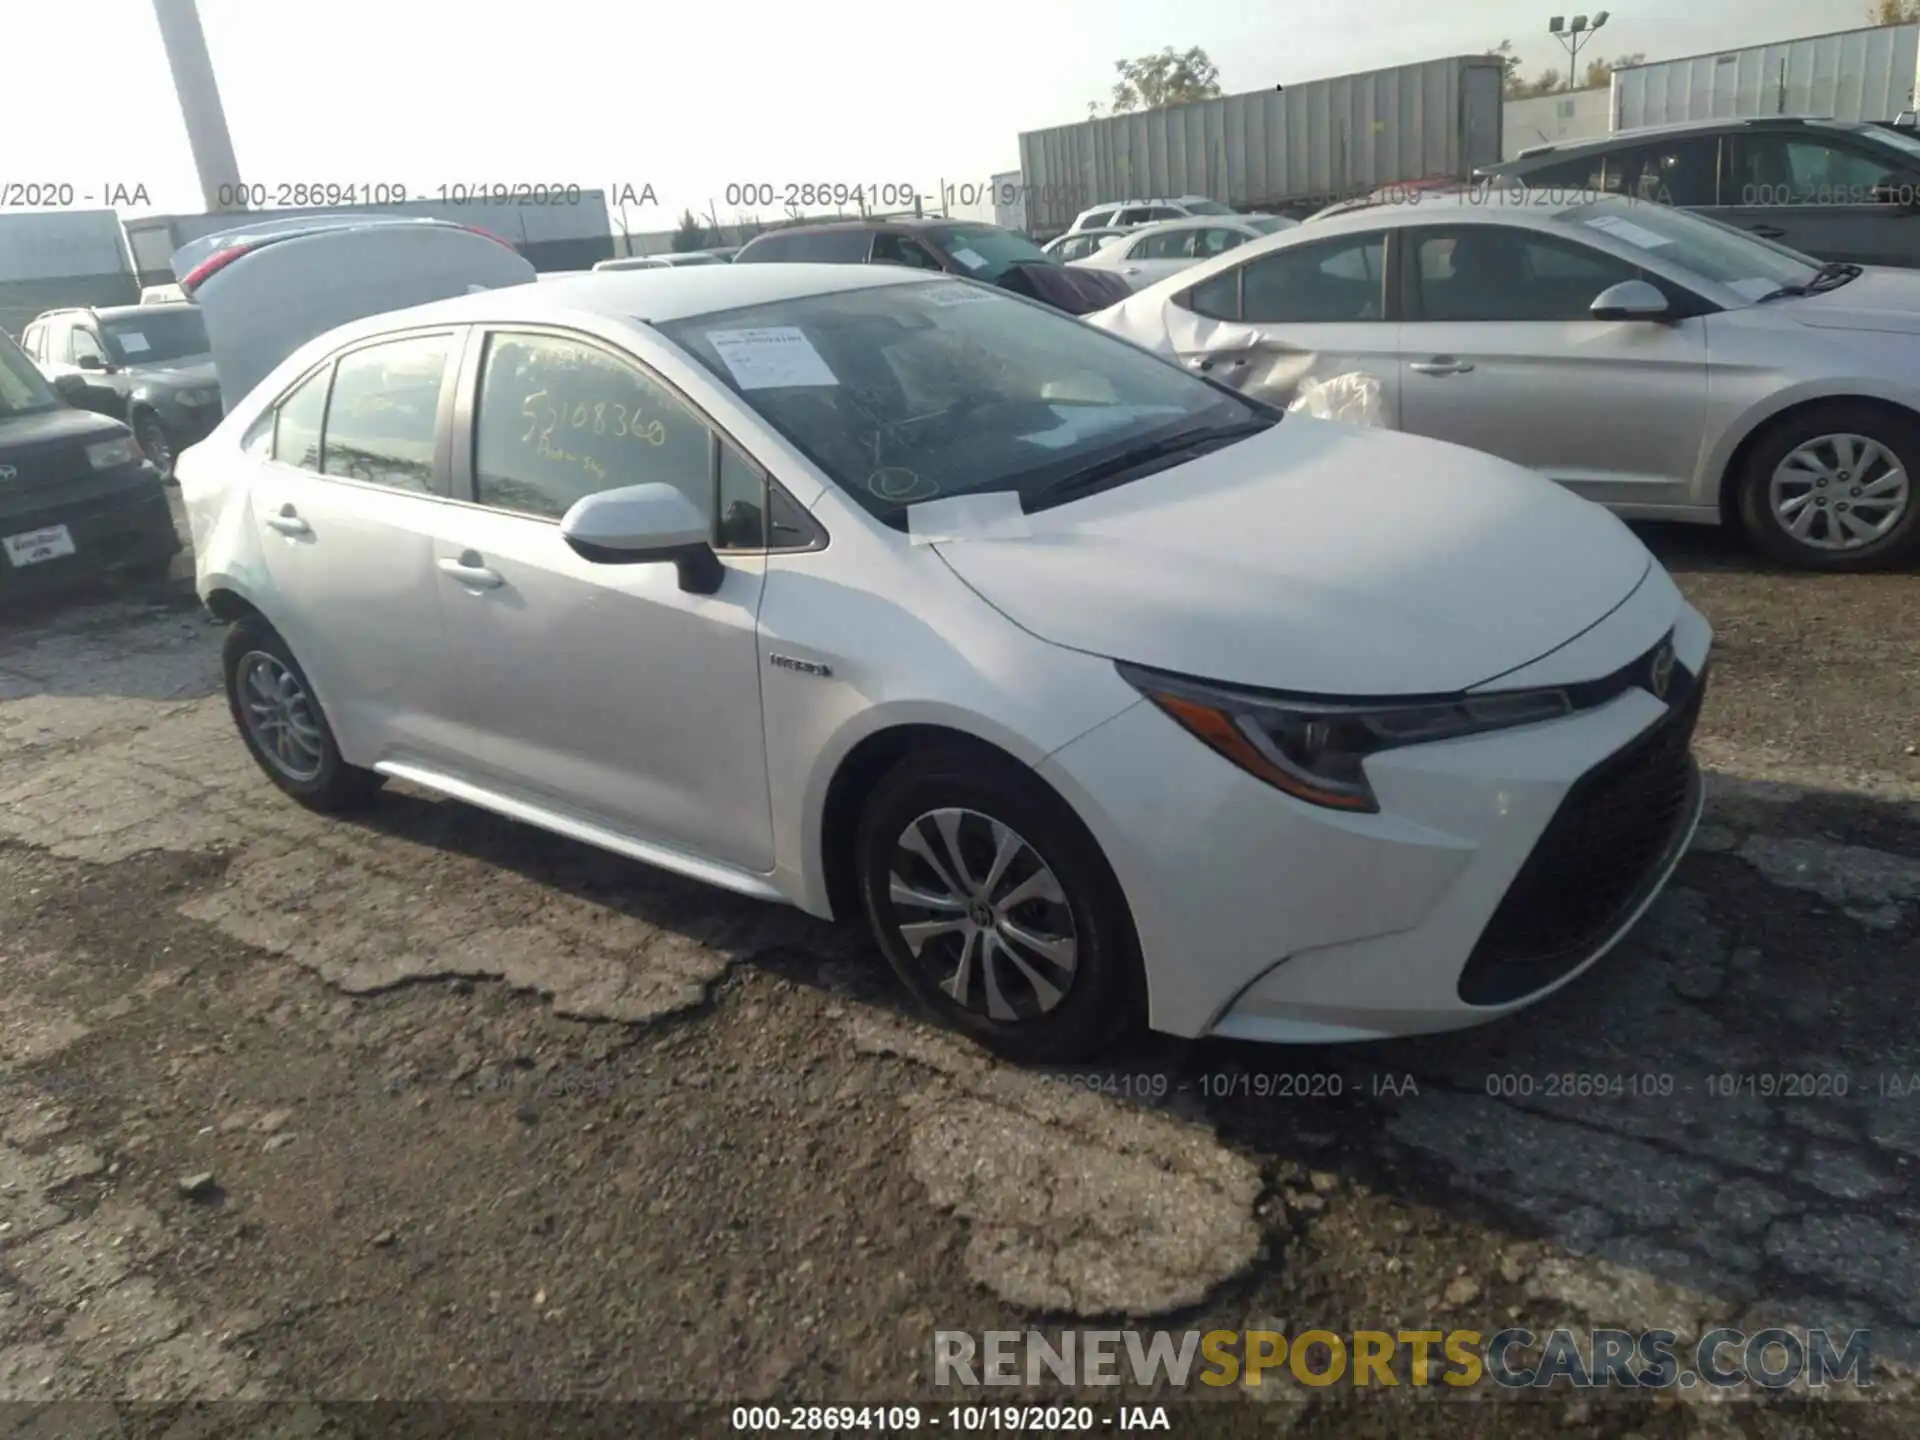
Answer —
126 526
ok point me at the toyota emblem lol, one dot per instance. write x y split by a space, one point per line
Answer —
1660 673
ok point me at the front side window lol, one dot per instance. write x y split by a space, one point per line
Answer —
1585 173
30 340
892 249
383 416
81 345
1784 169
23 389
1495 272
1135 215
1333 282
1168 245
297 422
1098 220
912 392
561 419
1700 247
1218 241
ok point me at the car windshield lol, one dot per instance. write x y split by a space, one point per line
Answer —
918 391
23 389
1206 207
1713 252
155 336
987 251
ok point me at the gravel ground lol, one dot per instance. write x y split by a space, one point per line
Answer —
428 1107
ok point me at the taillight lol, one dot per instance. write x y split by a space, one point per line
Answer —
491 236
211 265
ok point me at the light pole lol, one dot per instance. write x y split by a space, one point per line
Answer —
1573 36
200 108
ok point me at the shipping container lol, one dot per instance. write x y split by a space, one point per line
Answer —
1867 74
1288 148
570 234
50 259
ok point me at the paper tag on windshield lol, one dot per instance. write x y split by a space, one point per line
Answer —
972 259
957 295
771 357
133 342
991 515
1623 229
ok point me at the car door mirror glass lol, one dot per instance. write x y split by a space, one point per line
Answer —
1630 300
645 524
71 388
91 362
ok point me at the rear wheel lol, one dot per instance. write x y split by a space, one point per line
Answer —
995 907
1833 488
285 730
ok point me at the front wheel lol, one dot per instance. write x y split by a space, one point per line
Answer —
995 907
1832 488
151 436
285 730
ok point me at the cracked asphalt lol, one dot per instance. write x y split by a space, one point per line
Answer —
428 1107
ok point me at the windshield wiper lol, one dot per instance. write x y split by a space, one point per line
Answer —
1830 276
1115 468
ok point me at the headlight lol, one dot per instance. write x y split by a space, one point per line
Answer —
110 454
196 398
1314 749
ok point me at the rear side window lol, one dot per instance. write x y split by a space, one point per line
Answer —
1098 220
384 414
830 247
296 425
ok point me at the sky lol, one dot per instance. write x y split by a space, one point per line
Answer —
689 97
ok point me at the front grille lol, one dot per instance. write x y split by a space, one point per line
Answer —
1603 849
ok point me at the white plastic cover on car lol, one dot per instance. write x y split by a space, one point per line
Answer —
1353 398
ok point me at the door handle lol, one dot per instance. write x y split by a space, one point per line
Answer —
1767 232
287 522
471 572
1442 365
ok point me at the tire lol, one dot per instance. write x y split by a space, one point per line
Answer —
1096 1003
1817 440
311 772
154 442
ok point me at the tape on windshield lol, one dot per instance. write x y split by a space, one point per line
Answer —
994 515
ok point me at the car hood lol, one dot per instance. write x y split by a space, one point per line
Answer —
1065 287
178 374
1877 299
1320 558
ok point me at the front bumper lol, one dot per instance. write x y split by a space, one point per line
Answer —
1263 918
114 522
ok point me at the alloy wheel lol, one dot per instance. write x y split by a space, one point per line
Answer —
280 716
1839 492
984 913
151 437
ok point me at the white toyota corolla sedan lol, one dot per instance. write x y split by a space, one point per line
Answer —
1105 693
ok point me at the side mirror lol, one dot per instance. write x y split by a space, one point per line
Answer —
91 362
1630 300
70 387
646 525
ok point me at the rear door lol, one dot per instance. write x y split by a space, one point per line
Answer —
1154 257
1815 191
1501 353
348 486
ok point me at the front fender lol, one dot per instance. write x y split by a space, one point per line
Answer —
1714 466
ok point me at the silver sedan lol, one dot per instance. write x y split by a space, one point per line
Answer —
1664 365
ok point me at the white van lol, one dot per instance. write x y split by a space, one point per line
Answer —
269 287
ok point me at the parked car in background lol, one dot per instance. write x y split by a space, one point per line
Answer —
666 260
150 365
1078 245
1662 364
960 247
649 561
1125 214
1835 190
77 498
1153 252
162 295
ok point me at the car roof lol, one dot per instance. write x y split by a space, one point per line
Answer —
653 296
1463 207
140 312
1575 148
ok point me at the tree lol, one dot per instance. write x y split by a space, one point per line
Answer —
691 235
1518 87
1512 77
1170 77
1895 12
1600 72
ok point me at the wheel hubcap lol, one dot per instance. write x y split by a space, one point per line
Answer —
153 443
985 915
279 716
1839 492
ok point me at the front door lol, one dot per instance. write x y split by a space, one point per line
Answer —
1500 352
1815 193
605 691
